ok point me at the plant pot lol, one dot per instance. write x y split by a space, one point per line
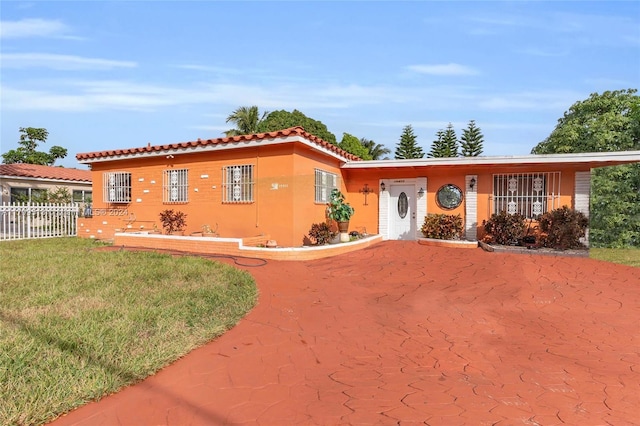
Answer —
343 227
181 233
344 237
271 244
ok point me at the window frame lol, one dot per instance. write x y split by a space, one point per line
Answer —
323 186
529 194
83 195
121 183
238 184
175 191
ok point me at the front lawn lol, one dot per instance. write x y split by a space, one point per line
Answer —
625 256
77 324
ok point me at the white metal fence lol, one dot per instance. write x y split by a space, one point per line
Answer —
19 221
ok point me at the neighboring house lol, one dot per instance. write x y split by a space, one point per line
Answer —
29 181
278 183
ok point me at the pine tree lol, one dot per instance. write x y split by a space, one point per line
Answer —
471 141
408 146
446 143
450 141
437 146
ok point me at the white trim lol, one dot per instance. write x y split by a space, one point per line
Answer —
582 192
48 180
471 208
586 157
213 146
421 204
383 209
581 198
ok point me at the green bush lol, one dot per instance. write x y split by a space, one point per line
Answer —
321 233
563 228
442 226
505 228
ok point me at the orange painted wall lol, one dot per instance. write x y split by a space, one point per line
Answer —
283 204
367 216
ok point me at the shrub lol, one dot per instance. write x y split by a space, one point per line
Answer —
563 228
173 220
442 226
321 233
506 229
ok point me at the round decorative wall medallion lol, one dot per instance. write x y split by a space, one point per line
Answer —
449 196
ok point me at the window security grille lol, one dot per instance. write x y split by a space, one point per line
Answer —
116 187
175 186
237 184
324 183
530 194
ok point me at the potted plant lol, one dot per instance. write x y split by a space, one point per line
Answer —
173 221
321 233
208 232
340 212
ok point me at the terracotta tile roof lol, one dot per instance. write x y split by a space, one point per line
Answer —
293 131
45 172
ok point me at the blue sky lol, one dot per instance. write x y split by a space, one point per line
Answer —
106 75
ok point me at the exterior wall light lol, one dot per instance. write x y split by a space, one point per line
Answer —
421 192
472 183
382 186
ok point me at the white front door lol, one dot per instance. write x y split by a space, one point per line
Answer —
402 212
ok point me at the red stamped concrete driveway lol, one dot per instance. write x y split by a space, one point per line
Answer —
407 334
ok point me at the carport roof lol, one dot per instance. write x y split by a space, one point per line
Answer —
590 159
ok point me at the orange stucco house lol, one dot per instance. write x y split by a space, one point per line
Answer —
275 185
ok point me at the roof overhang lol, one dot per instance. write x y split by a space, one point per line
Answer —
294 135
46 180
586 159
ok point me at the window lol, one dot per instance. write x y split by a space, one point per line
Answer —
81 196
28 195
449 196
237 184
116 187
530 194
324 183
175 188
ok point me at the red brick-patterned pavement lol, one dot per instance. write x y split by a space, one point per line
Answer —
401 333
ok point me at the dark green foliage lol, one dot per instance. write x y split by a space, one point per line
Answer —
563 228
605 122
446 144
246 119
506 229
376 150
321 233
337 209
602 123
353 145
26 152
442 226
615 207
278 120
472 140
408 146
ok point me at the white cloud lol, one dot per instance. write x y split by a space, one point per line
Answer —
549 100
60 62
33 28
443 69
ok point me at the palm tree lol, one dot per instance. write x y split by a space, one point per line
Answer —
246 119
376 150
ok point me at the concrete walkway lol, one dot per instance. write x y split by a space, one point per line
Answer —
401 333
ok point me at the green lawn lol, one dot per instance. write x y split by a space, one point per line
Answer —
626 256
77 323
